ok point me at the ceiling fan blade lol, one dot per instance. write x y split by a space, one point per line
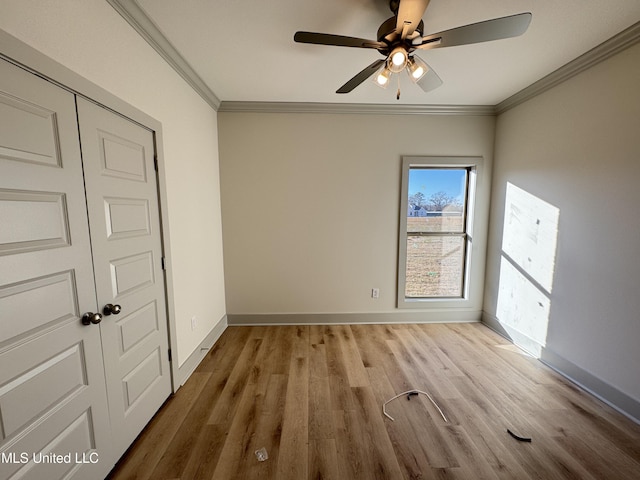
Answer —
410 13
430 80
336 40
496 29
361 77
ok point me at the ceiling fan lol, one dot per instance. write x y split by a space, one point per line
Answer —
401 35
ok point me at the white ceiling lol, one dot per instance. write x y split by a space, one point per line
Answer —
244 49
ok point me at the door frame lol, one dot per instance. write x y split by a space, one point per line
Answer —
24 56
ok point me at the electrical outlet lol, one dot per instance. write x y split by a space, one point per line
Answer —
194 323
375 293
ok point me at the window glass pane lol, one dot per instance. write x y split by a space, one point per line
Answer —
439 197
435 266
436 200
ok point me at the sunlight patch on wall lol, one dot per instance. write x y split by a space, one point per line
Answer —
521 305
527 266
530 234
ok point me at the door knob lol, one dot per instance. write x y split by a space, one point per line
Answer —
90 317
110 309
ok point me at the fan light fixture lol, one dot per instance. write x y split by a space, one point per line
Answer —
382 79
397 60
416 68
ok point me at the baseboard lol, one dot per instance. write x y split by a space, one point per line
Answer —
513 335
190 364
352 318
494 324
610 395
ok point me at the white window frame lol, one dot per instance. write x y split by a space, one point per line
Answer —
477 204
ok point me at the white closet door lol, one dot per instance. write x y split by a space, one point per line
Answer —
122 198
52 385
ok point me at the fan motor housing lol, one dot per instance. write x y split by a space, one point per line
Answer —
388 28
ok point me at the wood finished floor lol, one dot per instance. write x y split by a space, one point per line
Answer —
312 396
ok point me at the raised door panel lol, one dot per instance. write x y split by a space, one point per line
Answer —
28 132
126 217
38 303
52 384
122 199
47 225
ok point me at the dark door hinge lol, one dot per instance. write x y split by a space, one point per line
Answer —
164 266
155 162
169 354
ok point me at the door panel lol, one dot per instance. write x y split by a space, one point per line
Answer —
135 327
52 385
138 380
47 226
127 217
131 274
123 159
29 132
19 399
122 199
37 303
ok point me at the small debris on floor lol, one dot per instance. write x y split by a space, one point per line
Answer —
262 454
409 393
518 437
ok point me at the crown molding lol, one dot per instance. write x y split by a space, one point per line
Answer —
355 108
140 21
605 50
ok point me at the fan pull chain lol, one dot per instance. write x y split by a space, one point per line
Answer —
398 93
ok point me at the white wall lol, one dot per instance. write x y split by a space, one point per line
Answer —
90 38
576 148
311 205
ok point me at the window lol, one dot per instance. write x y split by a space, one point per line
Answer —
435 230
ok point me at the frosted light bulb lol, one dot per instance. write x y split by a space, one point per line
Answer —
398 58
